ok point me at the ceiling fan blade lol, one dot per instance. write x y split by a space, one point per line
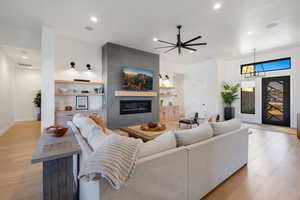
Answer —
196 44
170 50
179 50
164 47
192 49
166 42
196 38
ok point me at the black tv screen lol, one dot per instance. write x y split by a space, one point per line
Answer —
137 79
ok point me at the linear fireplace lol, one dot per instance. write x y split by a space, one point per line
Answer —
135 106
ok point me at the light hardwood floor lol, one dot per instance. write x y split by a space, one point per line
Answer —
273 171
19 179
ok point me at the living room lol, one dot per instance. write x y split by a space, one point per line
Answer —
154 79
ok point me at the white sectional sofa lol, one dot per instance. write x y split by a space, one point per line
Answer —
183 173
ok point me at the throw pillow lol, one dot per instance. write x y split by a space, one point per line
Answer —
164 142
99 121
194 135
225 127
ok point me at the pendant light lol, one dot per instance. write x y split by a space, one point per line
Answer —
253 74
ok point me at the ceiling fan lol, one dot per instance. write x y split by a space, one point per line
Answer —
180 45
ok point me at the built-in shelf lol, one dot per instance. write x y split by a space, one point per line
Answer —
77 94
78 82
166 87
135 94
168 95
79 111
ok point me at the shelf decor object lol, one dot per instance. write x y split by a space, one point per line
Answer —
76 94
82 102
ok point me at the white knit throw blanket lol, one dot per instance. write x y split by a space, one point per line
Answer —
114 160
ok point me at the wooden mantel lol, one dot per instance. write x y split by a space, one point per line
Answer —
135 94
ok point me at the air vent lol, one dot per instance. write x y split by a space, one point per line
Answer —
24 65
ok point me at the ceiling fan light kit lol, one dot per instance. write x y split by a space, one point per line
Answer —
179 45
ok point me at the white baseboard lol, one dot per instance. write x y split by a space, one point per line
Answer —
6 128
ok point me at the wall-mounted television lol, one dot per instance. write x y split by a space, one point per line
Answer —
137 79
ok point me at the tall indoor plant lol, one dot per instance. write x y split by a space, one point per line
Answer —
229 95
37 102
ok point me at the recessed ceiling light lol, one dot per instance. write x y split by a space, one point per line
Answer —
217 6
24 57
155 39
191 51
250 33
94 19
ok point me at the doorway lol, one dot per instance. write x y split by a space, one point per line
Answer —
276 101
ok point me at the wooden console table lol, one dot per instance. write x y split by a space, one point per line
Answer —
59 172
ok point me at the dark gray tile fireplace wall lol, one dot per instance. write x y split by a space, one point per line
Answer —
114 57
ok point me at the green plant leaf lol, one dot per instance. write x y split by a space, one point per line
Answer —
230 93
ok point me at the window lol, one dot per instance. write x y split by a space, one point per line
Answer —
248 97
271 65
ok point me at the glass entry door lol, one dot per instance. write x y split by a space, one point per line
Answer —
276 101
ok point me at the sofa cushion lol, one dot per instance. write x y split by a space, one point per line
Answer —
95 138
225 127
85 124
194 135
161 143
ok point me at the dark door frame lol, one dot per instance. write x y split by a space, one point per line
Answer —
286 101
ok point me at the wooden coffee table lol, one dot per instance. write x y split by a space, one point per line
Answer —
135 131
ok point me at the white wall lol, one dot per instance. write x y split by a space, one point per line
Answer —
47 75
6 92
201 86
230 72
82 53
27 84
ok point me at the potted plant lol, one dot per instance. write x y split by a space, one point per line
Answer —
229 95
37 102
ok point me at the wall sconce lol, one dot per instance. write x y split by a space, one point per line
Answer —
72 65
89 68
166 77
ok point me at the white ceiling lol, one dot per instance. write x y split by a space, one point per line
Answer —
135 22
33 56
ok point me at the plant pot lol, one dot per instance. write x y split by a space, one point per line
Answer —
229 113
39 116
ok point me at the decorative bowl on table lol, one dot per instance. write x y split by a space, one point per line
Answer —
153 126
56 131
